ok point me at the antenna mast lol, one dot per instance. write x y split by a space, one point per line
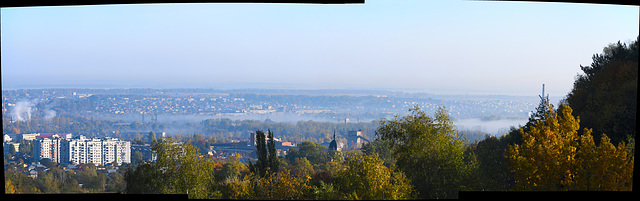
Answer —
543 97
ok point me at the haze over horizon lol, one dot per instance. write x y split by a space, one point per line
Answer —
440 47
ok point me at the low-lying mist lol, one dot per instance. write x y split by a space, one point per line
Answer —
496 127
493 127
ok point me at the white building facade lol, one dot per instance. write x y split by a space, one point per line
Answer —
46 148
95 150
116 151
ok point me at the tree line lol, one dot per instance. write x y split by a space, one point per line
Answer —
422 156
57 180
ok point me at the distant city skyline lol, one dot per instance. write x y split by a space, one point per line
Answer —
442 47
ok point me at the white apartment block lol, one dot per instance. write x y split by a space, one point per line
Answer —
116 151
95 150
46 148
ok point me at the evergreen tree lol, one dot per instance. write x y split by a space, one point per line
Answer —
267 158
605 96
273 153
541 110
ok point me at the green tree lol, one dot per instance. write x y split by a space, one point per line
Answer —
47 183
301 167
143 179
26 147
11 152
66 181
198 137
234 167
429 151
267 158
540 113
138 137
261 153
324 191
605 96
382 149
493 173
91 179
278 186
136 157
152 137
115 182
365 177
177 170
22 183
315 153
48 162
274 163
235 188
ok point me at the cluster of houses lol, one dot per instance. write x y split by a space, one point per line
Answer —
34 168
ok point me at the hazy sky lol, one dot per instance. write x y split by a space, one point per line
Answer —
476 47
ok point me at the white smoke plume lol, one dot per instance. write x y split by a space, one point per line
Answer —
49 114
23 109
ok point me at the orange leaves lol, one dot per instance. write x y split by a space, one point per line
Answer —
217 166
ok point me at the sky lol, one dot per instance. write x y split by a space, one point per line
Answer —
442 47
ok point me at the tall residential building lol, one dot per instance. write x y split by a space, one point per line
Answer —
77 151
46 148
96 151
116 151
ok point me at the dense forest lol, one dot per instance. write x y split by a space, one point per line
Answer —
585 143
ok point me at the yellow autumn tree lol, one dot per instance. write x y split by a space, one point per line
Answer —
603 168
554 157
277 186
366 177
8 187
235 188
